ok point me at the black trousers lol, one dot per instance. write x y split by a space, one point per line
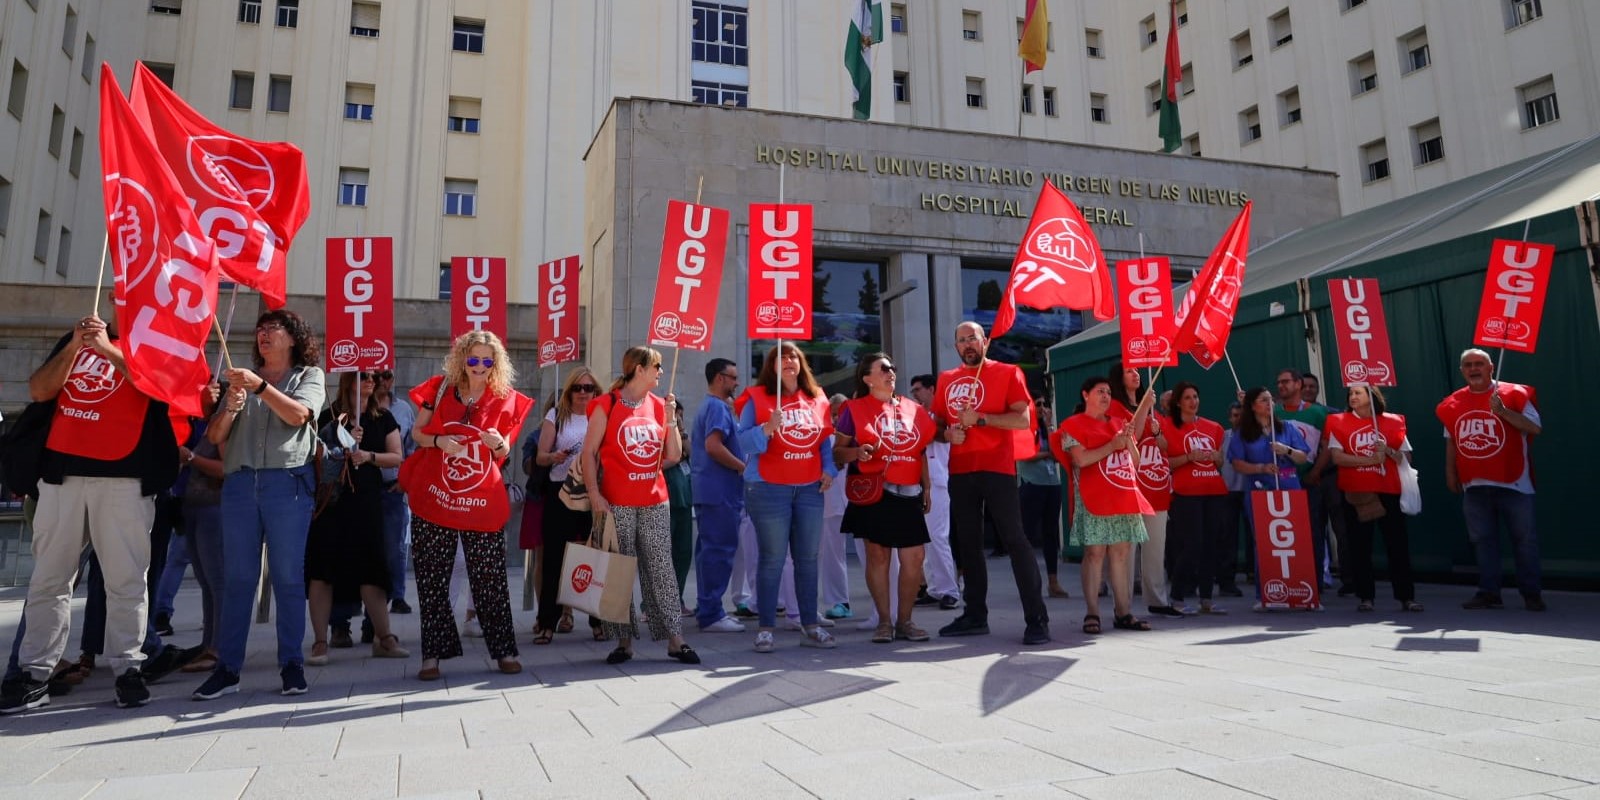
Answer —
1201 529
1395 541
971 495
561 525
1041 520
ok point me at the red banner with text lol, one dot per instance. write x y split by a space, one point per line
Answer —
1285 562
1144 296
359 334
1362 333
689 276
1513 296
780 271
477 295
558 311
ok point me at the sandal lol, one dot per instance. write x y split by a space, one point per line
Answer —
543 636
1128 622
429 673
1410 605
319 654
909 631
205 663
1364 605
883 634
70 673
509 665
599 633
565 625
619 655
1091 623
684 655
388 646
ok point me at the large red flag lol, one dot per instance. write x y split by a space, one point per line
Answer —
164 267
251 197
1058 265
1205 321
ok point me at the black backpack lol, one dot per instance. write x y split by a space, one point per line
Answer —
22 448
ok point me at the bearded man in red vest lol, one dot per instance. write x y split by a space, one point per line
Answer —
1488 426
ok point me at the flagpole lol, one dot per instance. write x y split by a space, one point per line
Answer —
226 359
233 298
1499 359
777 369
100 280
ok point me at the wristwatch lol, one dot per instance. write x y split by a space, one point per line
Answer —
982 421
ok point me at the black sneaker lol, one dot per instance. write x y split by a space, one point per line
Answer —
743 611
925 599
22 694
341 637
965 626
131 692
1533 602
1164 611
1483 600
949 603
164 624
399 606
366 631
294 679
1037 633
169 660
220 683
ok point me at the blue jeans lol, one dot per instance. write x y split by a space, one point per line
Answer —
713 558
271 507
396 527
171 575
1485 508
788 521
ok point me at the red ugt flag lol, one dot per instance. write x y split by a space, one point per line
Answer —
558 311
251 197
164 267
1058 265
689 277
1206 318
1361 332
1513 295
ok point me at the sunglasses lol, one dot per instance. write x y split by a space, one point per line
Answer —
886 368
474 361
586 388
367 376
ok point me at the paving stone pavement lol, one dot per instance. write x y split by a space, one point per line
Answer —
1446 703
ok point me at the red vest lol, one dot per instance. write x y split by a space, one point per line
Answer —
1196 477
1357 437
631 451
1155 474
1487 447
899 429
794 455
1110 485
99 413
466 491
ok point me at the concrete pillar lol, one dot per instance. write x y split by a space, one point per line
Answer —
944 276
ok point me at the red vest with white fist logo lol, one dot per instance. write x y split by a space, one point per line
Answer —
1111 485
794 454
1358 437
899 430
99 413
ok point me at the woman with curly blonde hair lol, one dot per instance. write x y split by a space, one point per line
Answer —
466 421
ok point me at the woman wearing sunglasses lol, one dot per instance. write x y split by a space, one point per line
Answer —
467 419
560 441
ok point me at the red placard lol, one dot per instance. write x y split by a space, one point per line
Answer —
1144 295
780 271
690 276
1358 324
360 297
558 311
1513 296
477 295
1284 556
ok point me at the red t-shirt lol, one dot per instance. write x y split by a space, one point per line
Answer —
1356 436
1110 485
990 388
1196 477
1487 448
631 450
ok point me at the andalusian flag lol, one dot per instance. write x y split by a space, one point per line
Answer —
1171 79
866 30
1035 37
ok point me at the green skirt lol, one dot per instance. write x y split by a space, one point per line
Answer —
1093 529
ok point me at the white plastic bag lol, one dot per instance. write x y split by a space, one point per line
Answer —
1410 493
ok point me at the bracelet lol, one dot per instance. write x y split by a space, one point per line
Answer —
262 387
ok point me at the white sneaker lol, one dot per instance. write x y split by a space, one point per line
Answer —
817 637
868 624
472 628
765 642
724 625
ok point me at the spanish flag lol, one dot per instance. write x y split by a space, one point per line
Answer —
1035 36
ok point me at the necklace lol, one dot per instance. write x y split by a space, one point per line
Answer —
630 403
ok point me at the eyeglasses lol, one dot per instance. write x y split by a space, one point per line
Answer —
474 361
969 339
732 376
269 327
586 388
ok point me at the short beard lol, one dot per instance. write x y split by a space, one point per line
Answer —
973 360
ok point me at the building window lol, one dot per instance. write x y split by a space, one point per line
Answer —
1282 33
1414 51
1242 53
983 284
89 62
352 187
1375 161
1049 101
975 93
846 297
1289 107
241 94
714 93
1522 12
972 26
18 99
1249 125
444 280
1097 108
1027 99
1186 82
168 7
250 12
358 101
1539 103
1346 5
288 14
1183 12
58 130
902 87
75 156
41 238
279 87
460 198
720 34
1091 40
897 18
166 73
69 33
1363 74
467 36
465 112
1147 32
1192 145
1152 96
364 19
5 204
63 252
1429 141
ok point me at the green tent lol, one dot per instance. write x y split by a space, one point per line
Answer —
1430 253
